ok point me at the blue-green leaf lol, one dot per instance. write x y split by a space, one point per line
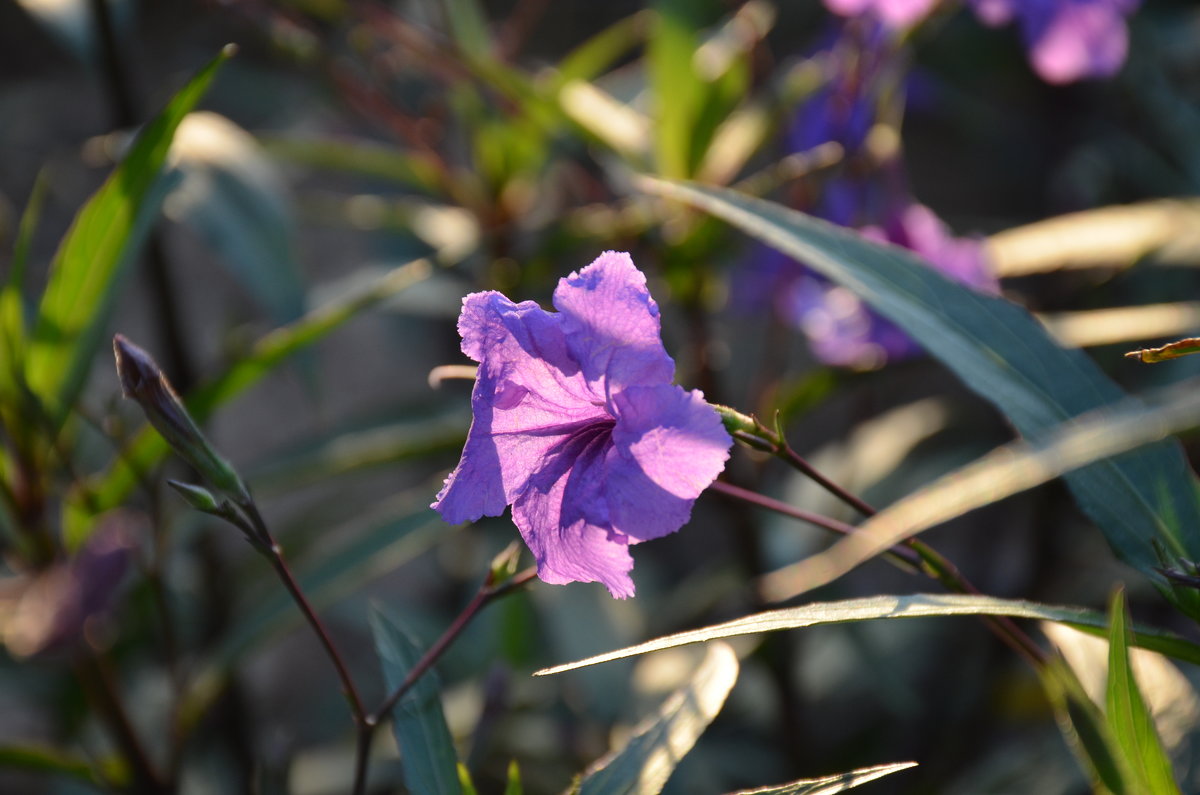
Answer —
426 748
1141 500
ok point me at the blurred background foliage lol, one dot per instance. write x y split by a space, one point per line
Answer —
493 146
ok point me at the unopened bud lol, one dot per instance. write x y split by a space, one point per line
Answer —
504 565
142 380
735 421
199 497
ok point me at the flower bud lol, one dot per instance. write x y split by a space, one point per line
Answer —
143 381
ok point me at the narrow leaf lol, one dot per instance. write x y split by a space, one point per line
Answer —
1005 471
100 243
1174 350
643 766
1084 728
512 785
892 607
1128 716
831 785
426 748
1139 500
41 759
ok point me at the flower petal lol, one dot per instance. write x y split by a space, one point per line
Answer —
612 325
529 396
669 446
555 515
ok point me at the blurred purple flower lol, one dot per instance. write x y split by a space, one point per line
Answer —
578 427
867 192
1068 40
894 13
842 330
60 606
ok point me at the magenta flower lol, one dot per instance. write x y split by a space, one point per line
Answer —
578 427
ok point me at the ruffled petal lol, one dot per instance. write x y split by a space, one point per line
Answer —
669 445
529 396
556 515
612 325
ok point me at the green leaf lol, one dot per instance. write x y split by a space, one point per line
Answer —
831 785
468 26
1140 499
512 784
426 748
1128 717
12 294
587 61
648 759
148 448
100 243
892 607
414 170
464 779
1084 728
42 759
678 92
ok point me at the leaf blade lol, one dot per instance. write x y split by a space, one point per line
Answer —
907 606
427 750
96 249
997 349
1128 716
647 761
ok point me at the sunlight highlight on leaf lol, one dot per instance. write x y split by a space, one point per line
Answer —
887 607
643 766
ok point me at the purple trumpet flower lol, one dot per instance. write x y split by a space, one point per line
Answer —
578 427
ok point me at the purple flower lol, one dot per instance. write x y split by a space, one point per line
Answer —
894 13
578 427
1068 40
841 329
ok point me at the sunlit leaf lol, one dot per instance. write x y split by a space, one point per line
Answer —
1005 471
1139 500
512 784
1173 350
1166 229
893 607
1130 721
426 748
831 785
1090 327
100 243
643 766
